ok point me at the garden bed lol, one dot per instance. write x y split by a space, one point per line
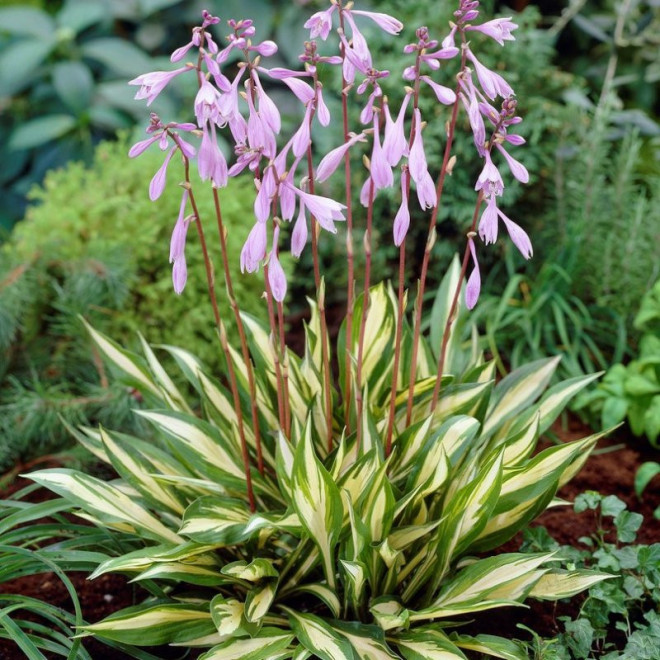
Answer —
609 470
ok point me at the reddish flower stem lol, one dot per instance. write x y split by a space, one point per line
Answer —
210 279
320 299
241 331
365 312
451 317
429 246
349 242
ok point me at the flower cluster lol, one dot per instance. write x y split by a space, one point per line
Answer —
244 107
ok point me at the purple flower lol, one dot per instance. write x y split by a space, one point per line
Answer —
267 109
141 146
418 168
178 240
210 161
157 184
499 29
490 179
326 211
333 159
299 233
254 249
152 84
207 107
384 21
517 169
276 276
381 172
320 23
492 83
402 218
488 221
473 287
443 94
395 145
301 138
518 235
179 274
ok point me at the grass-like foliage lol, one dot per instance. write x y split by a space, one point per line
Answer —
349 554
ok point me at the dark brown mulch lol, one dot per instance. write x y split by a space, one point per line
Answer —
608 472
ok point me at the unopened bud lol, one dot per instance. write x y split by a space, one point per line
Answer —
366 162
450 165
430 241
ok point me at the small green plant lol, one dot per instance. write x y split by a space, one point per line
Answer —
632 392
618 620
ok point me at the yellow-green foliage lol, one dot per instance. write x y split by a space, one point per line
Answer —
84 213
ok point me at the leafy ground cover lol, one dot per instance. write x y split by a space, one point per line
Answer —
610 470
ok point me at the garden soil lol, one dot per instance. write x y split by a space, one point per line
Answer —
609 470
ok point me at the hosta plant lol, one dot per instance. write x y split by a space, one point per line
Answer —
293 511
349 553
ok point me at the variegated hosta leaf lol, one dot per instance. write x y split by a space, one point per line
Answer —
324 594
256 570
105 503
217 520
171 393
460 399
377 506
378 356
267 645
556 583
319 637
368 642
492 645
317 502
130 364
152 625
517 391
427 644
465 515
528 489
502 578
165 553
259 599
201 446
138 471
389 613
227 614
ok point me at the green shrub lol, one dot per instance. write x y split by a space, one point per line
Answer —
101 251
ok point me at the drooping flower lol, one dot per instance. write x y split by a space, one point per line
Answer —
254 249
299 233
402 218
276 276
395 145
157 183
473 287
153 83
178 246
499 29
331 161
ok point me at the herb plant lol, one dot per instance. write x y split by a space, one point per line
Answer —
294 514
